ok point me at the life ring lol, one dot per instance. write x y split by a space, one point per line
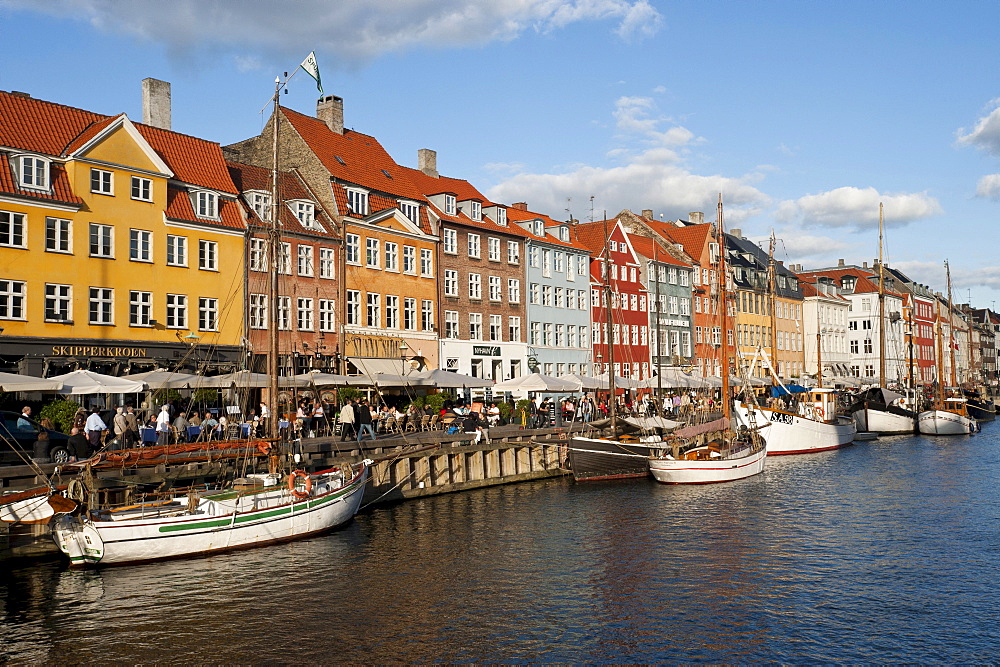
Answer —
820 412
297 492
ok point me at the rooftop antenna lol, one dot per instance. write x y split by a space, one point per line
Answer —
591 208
568 209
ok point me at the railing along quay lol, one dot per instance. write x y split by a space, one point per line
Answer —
410 465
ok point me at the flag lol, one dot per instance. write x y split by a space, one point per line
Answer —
312 69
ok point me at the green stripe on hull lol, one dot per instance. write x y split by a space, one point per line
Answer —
253 516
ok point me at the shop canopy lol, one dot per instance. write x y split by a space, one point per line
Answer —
88 382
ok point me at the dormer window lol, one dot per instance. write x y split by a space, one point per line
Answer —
305 211
206 204
411 210
564 233
357 201
260 202
476 211
713 252
847 283
539 228
32 172
502 216
450 204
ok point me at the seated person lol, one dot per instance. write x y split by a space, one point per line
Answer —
208 427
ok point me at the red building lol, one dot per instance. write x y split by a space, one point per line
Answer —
620 277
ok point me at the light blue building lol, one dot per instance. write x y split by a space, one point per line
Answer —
557 280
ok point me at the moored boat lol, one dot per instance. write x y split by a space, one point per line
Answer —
263 512
709 464
950 418
880 410
805 426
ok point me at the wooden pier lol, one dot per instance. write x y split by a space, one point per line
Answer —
406 466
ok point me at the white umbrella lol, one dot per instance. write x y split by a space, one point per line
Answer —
537 382
245 379
14 382
620 382
321 379
674 379
161 379
584 381
89 382
442 378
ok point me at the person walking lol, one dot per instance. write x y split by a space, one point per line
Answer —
163 426
347 419
120 426
363 420
131 427
95 428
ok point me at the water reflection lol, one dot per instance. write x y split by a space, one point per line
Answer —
885 551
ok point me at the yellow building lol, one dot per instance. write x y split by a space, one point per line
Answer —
121 244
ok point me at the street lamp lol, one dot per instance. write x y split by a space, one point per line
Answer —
403 347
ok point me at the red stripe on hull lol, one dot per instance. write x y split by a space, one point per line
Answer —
808 451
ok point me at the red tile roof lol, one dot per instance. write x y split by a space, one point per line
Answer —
179 208
248 177
54 129
864 284
648 248
463 190
60 191
365 161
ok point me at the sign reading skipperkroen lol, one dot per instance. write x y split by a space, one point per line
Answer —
97 351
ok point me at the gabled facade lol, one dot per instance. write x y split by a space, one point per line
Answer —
988 323
308 264
388 316
824 322
118 244
668 281
778 333
859 286
557 279
481 301
918 314
618 295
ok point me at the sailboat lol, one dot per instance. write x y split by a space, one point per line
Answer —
879 410
255 510
799 420
949 414
734 455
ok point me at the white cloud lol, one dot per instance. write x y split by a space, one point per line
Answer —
798 246
986 134
350 32
850 207
650 174
989 186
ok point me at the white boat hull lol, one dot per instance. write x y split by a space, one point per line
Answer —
943 422
880 421
669 470
787 433
218 523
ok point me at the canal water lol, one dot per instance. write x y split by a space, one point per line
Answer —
886 551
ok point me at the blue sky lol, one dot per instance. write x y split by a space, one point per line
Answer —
804 115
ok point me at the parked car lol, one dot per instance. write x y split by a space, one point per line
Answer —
25 437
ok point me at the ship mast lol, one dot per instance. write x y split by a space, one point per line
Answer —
612 407
771 303
724 311
272 297
819 340
951 328
881 304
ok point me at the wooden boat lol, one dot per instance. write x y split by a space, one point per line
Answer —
948 415
263 511
807 425
736 453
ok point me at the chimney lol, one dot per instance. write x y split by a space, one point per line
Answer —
840 262
696 217
520 206
156 103
427 161
647 213
737 232
330 110
864 265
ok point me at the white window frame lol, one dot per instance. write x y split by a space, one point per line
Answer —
353 302
304 263
13 229
208 255
357 201
327 263
496 288
58 235
140 245
105 235
427 315
451 324
513 290
285 313
258 311
327 315
450 242
104 300
373 313
391 252
206 204
450 204
410 260
176 311
58 302
474 246
102 182
513 252
33 172
391 311
493 249
177 251
411 210
208 313
475 286
352 249
304 314
450 282
475 326
141 188
426 263
372 253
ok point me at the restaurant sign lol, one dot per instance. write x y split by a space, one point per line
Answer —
97 351
486 350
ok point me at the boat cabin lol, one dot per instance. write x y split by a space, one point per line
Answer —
820 403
